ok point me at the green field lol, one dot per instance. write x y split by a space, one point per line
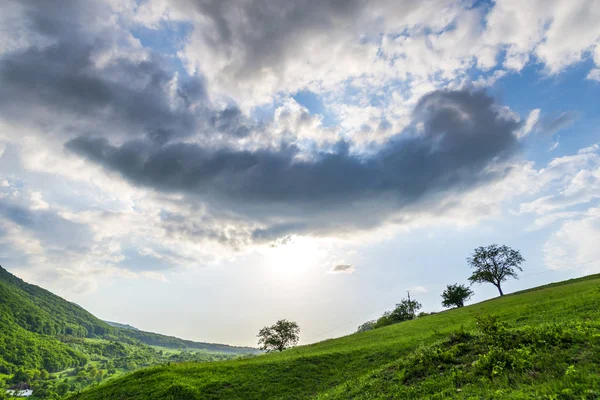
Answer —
544 343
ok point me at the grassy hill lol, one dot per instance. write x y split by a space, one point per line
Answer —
540 343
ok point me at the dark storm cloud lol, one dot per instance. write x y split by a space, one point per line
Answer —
454 136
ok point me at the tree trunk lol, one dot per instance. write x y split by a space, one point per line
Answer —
500 290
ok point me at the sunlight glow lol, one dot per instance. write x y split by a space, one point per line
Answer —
294 258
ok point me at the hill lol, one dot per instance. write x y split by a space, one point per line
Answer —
171 342
122 326
32 319
58 347
542 343
40 311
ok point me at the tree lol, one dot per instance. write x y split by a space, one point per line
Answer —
405 310
495 264
367 326
456 295
280 336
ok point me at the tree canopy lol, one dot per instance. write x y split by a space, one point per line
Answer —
404 311
456 295
279 336
494 264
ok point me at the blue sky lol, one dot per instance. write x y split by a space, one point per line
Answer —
200 169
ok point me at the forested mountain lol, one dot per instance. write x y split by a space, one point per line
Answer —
122 326
171 342
31 321
59 347
155 339
40 311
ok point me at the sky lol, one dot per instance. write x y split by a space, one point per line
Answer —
203 168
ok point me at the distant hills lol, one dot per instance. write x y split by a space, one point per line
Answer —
172 342
122 326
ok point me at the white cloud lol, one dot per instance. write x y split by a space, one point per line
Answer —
568 181
418 290
530 123
557 32
37 201
575 244
594 75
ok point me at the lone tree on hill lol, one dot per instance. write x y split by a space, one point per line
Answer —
280 336
495 264
405 310
456 295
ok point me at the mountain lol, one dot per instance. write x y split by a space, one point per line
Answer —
32 319
40 311
44 337
171 342
122 326
540 343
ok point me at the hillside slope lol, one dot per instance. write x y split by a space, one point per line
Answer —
42 333
31 319
40 311
544 343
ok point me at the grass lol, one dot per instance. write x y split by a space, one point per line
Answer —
546 345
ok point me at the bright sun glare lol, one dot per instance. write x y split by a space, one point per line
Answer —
293 260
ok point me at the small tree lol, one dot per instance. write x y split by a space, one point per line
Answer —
280 336
456 295
405 310
367 326
495 264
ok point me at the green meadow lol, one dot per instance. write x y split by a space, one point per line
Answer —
539 343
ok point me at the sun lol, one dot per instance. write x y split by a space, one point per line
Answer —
294 258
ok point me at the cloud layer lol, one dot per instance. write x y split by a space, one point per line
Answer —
453 140
175 154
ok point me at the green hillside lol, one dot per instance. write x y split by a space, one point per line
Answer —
542 343
58 347
40 311
31 320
